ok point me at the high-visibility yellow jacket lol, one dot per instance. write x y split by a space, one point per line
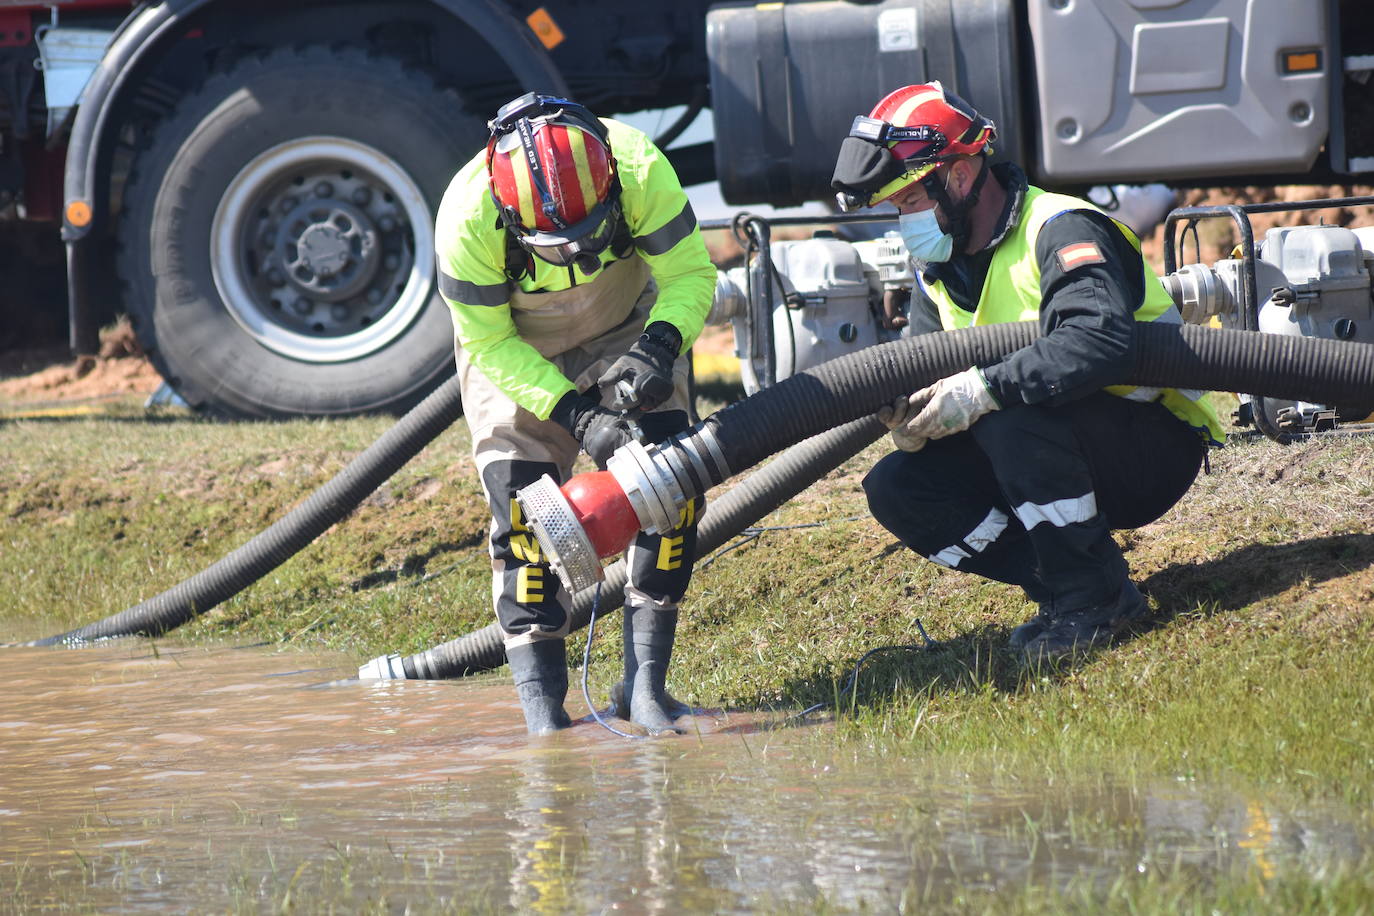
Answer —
471 249
1012 292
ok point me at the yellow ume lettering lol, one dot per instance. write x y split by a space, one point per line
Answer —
525 547
670 553
529 584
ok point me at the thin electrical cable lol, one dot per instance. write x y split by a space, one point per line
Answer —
747 535
586 663
854 675
751 533
787 309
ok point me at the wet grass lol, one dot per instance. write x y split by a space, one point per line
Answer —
1254 667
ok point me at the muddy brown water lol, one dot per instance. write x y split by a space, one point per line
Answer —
141 779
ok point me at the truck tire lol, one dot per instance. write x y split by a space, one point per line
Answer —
277 236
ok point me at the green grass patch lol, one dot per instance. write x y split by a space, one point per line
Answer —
1255 664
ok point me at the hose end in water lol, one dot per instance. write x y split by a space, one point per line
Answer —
383 668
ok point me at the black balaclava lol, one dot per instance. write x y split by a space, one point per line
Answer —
957 215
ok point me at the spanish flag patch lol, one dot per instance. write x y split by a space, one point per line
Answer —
1079 254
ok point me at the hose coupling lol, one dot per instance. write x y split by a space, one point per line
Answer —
383 668
598 514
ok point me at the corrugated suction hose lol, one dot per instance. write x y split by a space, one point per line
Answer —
807 404
288 535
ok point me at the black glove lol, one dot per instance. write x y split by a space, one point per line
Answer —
647 368
599 431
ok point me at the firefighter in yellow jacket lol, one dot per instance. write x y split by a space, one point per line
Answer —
1018 469
578 280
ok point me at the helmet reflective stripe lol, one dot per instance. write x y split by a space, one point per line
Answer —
524 184
578 141
902 115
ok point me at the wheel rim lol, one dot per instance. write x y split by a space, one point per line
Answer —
314 249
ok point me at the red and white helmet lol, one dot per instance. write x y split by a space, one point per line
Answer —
553 178
919 127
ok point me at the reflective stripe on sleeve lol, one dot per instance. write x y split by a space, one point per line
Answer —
1060 513
470 293
662 240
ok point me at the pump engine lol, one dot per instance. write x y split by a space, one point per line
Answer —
810 301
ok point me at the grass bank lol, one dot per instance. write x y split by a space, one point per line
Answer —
1255 664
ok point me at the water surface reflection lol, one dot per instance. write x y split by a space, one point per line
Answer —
213 779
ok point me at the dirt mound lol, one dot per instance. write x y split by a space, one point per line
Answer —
120 368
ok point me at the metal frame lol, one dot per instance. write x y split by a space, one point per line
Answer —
758 230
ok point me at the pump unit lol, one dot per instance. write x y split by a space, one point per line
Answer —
1300 281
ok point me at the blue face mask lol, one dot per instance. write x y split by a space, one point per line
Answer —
924 239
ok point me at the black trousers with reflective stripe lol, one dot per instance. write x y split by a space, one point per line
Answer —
958 498
528 594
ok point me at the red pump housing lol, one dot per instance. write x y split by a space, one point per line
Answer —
603 510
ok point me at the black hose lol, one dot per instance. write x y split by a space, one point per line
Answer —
757 495
285 537
830 395
836 392
1176 356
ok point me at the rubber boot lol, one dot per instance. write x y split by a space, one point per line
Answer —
619 706
649 633
541 679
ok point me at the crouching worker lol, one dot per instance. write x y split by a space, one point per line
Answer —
578 280
1018 470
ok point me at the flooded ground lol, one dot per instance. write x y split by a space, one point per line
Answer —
249 780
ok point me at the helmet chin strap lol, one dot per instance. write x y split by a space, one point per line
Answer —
957 214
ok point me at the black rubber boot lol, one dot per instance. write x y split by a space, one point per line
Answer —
540 669
649 636
1047 613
